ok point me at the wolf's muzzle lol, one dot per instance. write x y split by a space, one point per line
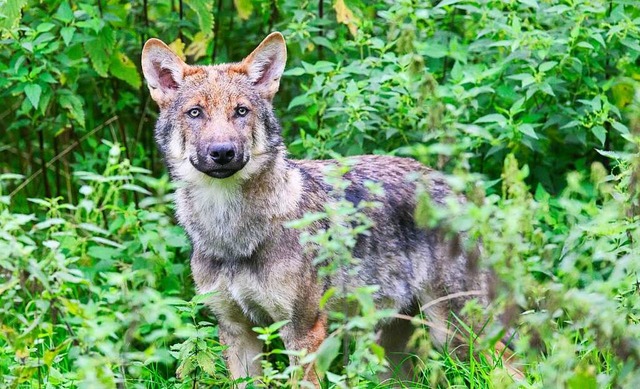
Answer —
219 160
221 153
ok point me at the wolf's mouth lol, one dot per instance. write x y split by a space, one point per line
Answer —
221 173
218 171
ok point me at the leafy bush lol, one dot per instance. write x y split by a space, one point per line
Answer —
532 108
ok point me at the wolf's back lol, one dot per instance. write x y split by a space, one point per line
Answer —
409 263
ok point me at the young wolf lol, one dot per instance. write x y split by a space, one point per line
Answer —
222 143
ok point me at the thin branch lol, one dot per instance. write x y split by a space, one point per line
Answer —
47 189
11 109
451 296
321 29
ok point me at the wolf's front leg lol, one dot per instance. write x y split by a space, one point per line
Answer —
307 335
243 348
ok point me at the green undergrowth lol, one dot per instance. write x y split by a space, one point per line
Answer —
530 108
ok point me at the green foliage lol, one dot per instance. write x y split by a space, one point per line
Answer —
333 256
531 107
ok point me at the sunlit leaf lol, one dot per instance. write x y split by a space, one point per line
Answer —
177 47
11 13
244 8
198 46
123 68
346 16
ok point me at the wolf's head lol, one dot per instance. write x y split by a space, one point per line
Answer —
216 120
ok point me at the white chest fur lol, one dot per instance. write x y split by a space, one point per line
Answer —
220 220
226 220
226 223
262 297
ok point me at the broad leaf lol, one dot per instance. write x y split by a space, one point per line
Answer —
33 92
123 68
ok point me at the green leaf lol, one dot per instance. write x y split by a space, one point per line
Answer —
299 100
327 352
206 362
599 133
202 298
49 223
527 129
185 368
436 50
244 8
586 45
326 296
104 253
11 13
631 43
107 242
525 78
378 351
546 66
277 325
621 128
530 3
99 50
445 3
493 118
44 27
546 88
203 10
67 34
64 13
295 72
583 379
73 104
48 78
123 68
33 92
135 188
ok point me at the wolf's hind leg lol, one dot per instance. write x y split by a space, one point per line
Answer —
394 338
306 335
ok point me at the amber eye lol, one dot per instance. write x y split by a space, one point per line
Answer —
194 112
242 111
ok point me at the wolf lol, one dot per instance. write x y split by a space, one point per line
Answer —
222 143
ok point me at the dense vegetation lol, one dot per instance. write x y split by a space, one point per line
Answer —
532 107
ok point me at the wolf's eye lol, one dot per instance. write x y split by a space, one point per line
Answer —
242 111
194 112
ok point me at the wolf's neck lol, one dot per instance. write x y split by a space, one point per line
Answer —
276 190
230 218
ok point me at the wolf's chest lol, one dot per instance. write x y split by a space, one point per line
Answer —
220 222
263 297
263 301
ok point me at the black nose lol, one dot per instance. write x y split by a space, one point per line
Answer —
222 153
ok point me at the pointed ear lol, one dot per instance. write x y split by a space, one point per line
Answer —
163 70
265 64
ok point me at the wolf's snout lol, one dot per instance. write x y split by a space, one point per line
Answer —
219 159
222 153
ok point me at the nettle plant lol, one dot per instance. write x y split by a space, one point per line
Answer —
567 272
352 313
87 296
490 77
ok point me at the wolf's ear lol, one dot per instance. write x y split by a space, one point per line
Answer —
163 70
265 64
